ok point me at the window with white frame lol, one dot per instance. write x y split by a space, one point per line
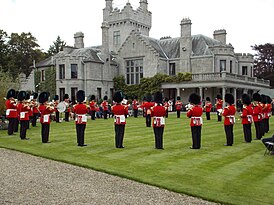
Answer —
74 71
116 37
134 71
244 70
62 71
222 65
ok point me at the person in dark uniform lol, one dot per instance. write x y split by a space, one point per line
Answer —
104 106
166 105
23 112
28 102
229 121
11 111
257 115
247 118
135 104
219 107
195 112
208 107
34 109
158 113
119 112
92 105
57 113
178 106
67 111
80 110
45 111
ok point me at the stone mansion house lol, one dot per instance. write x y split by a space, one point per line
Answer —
127 49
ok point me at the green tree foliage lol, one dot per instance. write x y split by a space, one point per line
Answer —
148 85
264 60
57 46
3 51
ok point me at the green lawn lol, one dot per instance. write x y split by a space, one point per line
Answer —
240 174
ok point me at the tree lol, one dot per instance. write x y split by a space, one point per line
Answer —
23 50
264 61
3 51
57 46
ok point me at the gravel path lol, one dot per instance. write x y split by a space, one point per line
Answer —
26 179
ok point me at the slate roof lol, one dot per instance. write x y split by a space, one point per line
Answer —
45 63
170 48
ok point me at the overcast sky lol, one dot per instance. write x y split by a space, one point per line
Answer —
247 22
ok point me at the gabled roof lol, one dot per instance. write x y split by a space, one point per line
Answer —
170 48
45 63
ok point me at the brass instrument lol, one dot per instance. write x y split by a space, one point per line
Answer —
49 105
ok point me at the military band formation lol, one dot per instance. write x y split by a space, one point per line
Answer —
21 109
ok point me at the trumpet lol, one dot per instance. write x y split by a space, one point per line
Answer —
49 105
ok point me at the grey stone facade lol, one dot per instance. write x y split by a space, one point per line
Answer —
128 50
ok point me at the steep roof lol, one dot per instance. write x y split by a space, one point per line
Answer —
45 63
170 48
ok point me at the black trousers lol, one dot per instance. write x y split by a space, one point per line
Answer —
166 113
34 119
119 135
158 133
135 112
247 132
80 131
219 117
196 136
23 128
229 134
11 126
57 116
148 120
267 125
93 114
207 115
105 114
16 125
258 130
30 119
45 132
66 116
178 113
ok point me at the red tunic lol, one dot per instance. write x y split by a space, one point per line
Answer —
208 106
119 112
257 111
45 114
23 112
11 109
158 113
148 106
178 105
35 107
166 105
195 114
80 110
229 114
219 104
135 104
92 105
247 114
104 105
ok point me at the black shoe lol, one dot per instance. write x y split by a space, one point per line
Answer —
121 147
227 144
82 145
46 142
193 148
24 138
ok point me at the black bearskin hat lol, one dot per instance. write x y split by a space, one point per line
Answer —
246 99
166 99
22 95
27 96
92 97
118 96
56 97
11 93
66 96
178 98
43 97
263 98
135 97
80 95
195 99
256 97
207 99
148 97
229 98
219 97
268 100
158 97
105 97
35 95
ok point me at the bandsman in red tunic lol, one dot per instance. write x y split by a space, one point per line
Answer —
119 112
92 106
34 109
268 112
229 121
147 109
80 110
219 107
57 113
158 113
178 106
207 108
104 105
257 115
166 105
135 105
23 113
45 110
247 118
196 122
28 102
11 111
67 111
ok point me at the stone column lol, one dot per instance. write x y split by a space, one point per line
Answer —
235 95
223 93
201 92
178 91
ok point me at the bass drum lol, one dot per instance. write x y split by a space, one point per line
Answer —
61 107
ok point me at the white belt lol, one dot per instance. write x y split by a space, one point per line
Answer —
159 121
250 118
231 119
197 120
118 119
81 118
